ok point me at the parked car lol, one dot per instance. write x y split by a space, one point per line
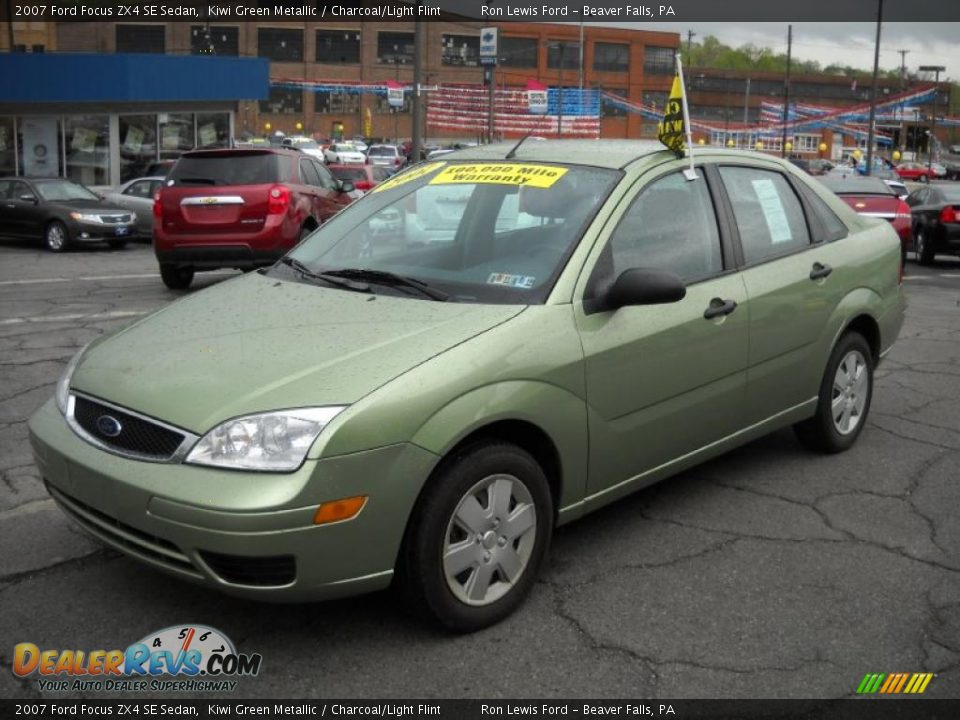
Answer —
939 171
365 411
873 197
137 195
363 177
819 166
304 144
936 221
61 213
239 209
952 168
342 154
388 156
915 171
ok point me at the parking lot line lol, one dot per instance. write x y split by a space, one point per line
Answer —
74 316
95 278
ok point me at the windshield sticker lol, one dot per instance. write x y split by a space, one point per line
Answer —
409 175
538 176
517 281
773 212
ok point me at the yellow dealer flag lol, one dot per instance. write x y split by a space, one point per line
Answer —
671 129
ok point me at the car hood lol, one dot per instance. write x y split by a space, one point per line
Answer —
256 343
90 207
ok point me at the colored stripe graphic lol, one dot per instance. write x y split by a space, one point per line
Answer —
894 683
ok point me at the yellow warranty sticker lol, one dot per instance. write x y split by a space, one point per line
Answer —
538 176
405 177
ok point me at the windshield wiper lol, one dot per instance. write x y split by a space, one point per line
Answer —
306 272
384 277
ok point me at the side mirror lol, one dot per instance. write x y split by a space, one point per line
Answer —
346 186
644 286
29 199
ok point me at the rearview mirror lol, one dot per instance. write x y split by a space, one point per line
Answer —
346 186
644 286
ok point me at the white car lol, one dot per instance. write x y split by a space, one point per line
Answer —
387 156
303 144
359 144
343 154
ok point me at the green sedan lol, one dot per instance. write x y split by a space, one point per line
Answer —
483 348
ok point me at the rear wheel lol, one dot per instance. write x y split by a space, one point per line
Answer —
844 399
924 253
56 238
477 538
175 277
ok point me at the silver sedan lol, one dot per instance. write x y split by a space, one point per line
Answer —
137 195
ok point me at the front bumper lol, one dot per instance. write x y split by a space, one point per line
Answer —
98 232
236 531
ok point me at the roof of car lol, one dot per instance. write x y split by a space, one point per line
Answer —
600 153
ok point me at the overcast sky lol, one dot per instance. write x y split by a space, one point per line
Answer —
846 43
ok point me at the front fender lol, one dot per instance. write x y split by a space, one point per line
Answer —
560 414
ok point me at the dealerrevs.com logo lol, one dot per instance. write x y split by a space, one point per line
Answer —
180 658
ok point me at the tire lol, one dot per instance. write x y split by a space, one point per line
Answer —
56 238
117 244
844 399
176 277
921 247
924 179
489 512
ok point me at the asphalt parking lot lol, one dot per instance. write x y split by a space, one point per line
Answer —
769 572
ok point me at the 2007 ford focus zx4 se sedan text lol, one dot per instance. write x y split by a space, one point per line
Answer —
483 348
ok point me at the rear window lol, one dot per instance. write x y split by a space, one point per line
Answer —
233 169
951 193
349 173
854 185
381 150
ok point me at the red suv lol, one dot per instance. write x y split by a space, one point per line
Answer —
239 209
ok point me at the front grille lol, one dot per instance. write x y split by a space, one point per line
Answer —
137 435
271 571
127 537
115 219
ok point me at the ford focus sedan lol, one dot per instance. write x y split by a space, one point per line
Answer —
483 348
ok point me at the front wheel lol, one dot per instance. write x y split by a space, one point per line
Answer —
176 278
56 238
924 253
478 536
844 398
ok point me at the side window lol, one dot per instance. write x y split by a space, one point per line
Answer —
768 213
327 180
916 197
308 173
828 226
139 189
5 189
671 225
19 189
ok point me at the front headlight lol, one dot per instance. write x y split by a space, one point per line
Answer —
62 393
86 217
276 441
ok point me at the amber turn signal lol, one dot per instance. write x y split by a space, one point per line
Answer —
337 510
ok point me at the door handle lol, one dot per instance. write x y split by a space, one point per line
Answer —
718 307
820 271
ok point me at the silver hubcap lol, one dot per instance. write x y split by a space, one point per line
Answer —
851 385
55 237
489 540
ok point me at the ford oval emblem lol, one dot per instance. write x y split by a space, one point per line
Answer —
109 426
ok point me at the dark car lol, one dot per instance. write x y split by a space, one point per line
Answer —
60 213
936 221
874 197
239 209
160 168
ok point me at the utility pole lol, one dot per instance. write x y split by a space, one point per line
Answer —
690 36
786 93
873 90
933 123
416 136
903 68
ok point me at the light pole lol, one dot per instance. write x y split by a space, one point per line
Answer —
936 69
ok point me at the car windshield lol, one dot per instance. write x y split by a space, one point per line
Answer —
476 231
344 147
381 150
63 190
235 168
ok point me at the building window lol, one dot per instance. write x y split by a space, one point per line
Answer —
214 40
336 47
280 44
518 52
138 145
7 148
338 103
141 39
570 52
806 143
37 48
461 50
611 57
658 60
655 98
213 130
395 48
383 106
610 109
176 134
87 140
283 101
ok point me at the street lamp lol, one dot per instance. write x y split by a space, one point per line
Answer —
937 69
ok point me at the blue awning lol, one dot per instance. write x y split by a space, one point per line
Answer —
98 78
